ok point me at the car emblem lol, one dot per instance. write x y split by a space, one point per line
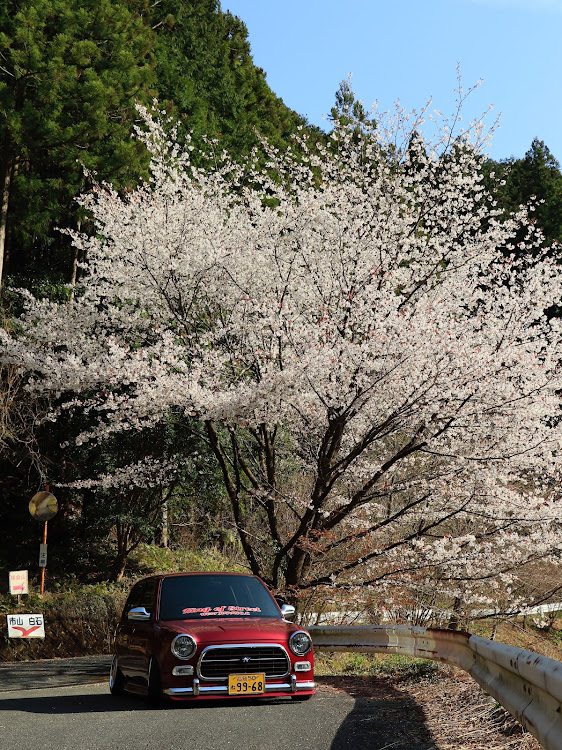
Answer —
245 660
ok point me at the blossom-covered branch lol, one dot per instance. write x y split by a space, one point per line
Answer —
362 335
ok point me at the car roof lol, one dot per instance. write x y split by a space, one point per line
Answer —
200 573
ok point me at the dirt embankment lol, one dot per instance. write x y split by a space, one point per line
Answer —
451 711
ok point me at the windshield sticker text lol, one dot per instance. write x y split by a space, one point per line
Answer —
219 611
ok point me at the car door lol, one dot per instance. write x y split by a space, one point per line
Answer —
142 632
133 636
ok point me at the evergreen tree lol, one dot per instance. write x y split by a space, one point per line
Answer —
535 177
70 73
348 110
207 77
69 78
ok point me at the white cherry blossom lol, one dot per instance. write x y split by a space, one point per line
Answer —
362 338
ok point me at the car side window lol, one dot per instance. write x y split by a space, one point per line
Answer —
148 596
135 597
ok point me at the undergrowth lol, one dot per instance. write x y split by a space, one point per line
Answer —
80 619
374 665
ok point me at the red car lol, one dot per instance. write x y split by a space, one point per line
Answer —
209 635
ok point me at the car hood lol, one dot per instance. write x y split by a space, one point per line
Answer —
241 630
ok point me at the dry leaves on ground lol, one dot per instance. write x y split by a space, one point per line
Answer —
455 711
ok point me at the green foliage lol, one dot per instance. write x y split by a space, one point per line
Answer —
151 558
70 76
79 620
536 177
206 75
406 668
50 286
375 665
348 110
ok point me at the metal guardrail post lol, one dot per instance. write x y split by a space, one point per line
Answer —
527 685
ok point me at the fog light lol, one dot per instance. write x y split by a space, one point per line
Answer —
302 666
182 671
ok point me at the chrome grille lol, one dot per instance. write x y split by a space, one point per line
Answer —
217 662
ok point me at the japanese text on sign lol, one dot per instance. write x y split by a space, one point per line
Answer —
26 626
18 582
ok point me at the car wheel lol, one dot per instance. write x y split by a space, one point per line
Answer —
116 679
154 683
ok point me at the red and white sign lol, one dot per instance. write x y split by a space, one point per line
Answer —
18 582
25 626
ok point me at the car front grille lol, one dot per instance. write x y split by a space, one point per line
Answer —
217 662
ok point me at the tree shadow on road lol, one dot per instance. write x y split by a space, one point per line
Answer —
382 717
48 673
84 702
374 714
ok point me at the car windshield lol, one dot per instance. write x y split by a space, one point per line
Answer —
198 597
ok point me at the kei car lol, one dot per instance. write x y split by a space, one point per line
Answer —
209 635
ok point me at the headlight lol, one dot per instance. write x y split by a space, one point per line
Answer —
300 643
183 646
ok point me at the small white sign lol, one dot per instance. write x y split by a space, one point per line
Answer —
18 582
42 555
25 626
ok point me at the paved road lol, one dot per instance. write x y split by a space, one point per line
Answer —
53 673
49 715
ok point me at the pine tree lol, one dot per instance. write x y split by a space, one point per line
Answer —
69 78
536 177
207 77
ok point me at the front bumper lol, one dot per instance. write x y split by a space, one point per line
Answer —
285 688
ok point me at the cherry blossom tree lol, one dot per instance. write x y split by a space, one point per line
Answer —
363 347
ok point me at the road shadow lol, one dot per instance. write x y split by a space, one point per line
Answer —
47 673
88 702
382 717
70 704
379 716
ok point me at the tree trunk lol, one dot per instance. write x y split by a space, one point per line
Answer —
454 620
4 200
122 532
164 528
74 270
118 568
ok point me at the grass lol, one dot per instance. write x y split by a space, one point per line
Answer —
374 665
147 559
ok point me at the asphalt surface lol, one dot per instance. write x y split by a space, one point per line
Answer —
89 718
64 704
50 673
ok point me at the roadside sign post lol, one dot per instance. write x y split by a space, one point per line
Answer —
26 626
18 583
43 506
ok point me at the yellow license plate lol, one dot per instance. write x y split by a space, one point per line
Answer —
246 684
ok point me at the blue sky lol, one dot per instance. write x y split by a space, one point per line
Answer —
408 50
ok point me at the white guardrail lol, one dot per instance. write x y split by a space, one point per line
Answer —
527 685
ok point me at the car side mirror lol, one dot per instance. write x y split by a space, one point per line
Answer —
288 611
138 614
